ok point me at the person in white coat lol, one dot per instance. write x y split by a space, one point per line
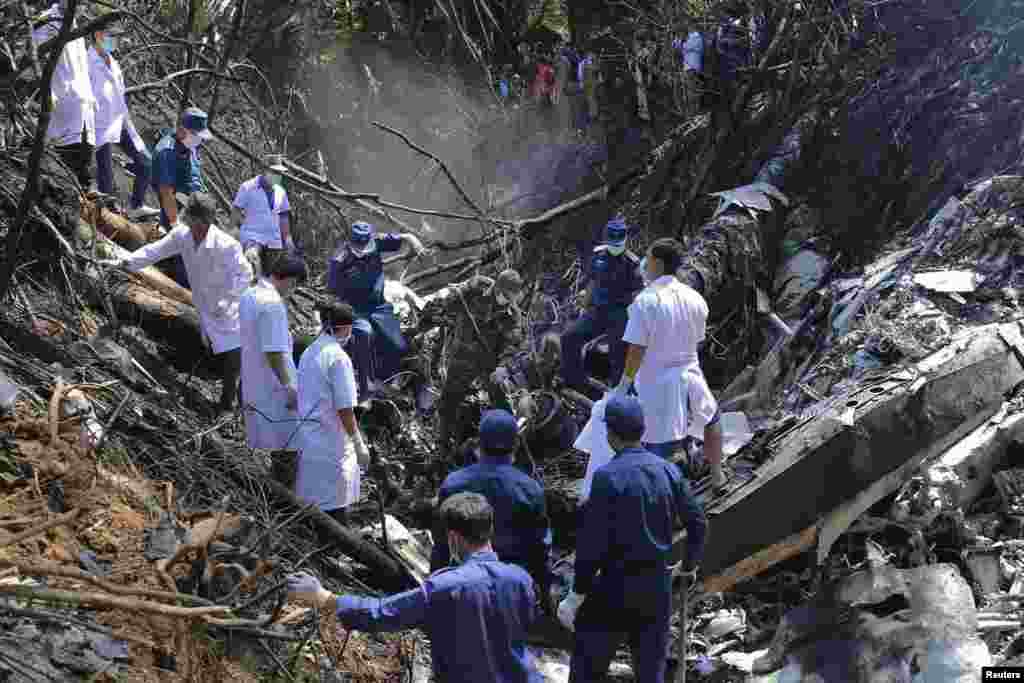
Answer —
667 322
114 125
219 274
265 212
331 446
270 391
72 126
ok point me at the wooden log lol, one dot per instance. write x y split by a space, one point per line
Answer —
118 228
755 564
152 277
351 543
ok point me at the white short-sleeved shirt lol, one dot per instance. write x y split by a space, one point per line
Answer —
262 215
669 319
264 329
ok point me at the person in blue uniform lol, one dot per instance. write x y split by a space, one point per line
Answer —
522 531
476 614
356 276
177 166
614 281
623 584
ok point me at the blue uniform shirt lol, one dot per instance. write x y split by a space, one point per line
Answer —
360 281
616 279
176 165
628 520
476 616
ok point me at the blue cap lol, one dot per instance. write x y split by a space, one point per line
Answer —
195 120
499 432
625 417
615 230
361 232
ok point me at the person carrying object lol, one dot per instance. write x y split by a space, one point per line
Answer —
262 203
476 612
114 124
667 322
615 280
623 580
270 393
356 276
522 533
219 275
332 449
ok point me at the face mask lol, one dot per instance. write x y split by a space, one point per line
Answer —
274 178
192 141
108 44
343 339
455 558
617 250
365 251
643 271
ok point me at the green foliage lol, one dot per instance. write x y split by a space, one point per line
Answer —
348 21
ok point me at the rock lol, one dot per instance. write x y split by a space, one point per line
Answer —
985 569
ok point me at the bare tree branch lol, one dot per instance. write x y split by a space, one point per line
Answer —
163 82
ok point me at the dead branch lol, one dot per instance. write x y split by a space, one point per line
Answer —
40 528
110 601
166 80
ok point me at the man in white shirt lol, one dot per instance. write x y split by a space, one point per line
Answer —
270 393
72 126
332 449
263 204
114 125
218 273
667 321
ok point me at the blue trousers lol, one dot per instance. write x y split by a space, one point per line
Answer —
141 168
637 608
377 346
591 324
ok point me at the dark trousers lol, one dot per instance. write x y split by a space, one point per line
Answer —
78 157
637 608
590 325
463 369
377 346
141 167
232 364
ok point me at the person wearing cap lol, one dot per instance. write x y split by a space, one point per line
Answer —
265 211
484 328
614 280
331 446
114 125
476 613
177 167
522 533
270 390
667 323
219 274
623 581
356 276
72 127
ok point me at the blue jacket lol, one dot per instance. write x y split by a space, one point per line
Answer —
616 279
476 616
628 521
359 282
521 532
176 165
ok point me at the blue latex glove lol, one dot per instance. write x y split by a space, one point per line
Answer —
305 587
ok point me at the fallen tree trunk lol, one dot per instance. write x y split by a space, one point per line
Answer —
118 228
391 570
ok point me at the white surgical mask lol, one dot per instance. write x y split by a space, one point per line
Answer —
274 178
343 339
366 250
192 141
616 250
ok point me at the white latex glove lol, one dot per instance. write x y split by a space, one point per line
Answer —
500 375
114 262
623 386
362 450
292 402
567 609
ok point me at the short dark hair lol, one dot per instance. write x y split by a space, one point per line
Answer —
469 514
669 252
334 313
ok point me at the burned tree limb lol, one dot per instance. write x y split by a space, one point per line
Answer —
184 73
40 528
110 601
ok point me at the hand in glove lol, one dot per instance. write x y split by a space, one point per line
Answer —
567 610
362 450
292 402
306 588
500 375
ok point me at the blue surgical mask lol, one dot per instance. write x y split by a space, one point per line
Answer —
108 44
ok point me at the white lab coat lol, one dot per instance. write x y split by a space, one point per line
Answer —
112 115
328 472
264 328
70 85
262 221
218 273
669 319
593 440
693 52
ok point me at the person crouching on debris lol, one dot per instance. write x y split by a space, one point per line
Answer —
331 446
667 322
218 273
270 393
476 613
623 582
263 204
522 534
356 276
